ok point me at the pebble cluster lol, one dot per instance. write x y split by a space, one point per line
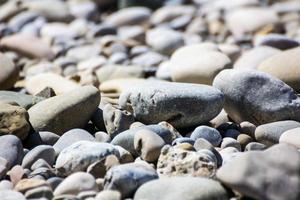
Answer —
195 100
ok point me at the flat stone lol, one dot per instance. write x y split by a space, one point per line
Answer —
257 97
81 102
277 41
9 73
11 149
156 101
184 188
291 137
27 184
45 152
246 173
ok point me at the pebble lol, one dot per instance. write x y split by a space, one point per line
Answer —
182 188
40 192
277 41
80 102
230 142
28 184
254 105
76 183
210 134
11 149
154 101
255 146
9 73
11 195
42 137
291 137
45 152
108 195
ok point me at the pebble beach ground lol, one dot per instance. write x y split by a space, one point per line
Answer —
191 100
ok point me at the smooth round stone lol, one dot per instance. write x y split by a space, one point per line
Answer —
108 195
116 86
244 140
70 137
291 137
14 120
277 41
40 192
62 113
148 144
11 149
255 146
6 185
27 45
92 63
127 178
4 167
246 173
45 152
27 184
83 52
220 119
54 182
102 137
184 188
9 73
164 71
257 97
198 63
42 137
156 101
58 30
118 58
230 142
129 16
248 128
164 41
148 59
78 156
270 133
11 195
233 133
181 140
76 183
248 20
136 33
20 20
58 83
251 59
285 66
210 134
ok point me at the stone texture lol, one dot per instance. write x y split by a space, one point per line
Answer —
11 149
210 134
291 137
9 73
45 152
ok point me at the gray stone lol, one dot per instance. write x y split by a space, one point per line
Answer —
270 133
257 97
108 195
76 183
247 173
45 152
148 59
39 192
255 146
157 101
11 195
210 134
64 112
9 73
78 156
277 41
102 137
230 142
70 137
11 149
54 182
291 137
184 188
42 137
181 140
127 178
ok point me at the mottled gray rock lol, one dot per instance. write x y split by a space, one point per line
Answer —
270 133
64 112
78 156
184 188
210 134
45 152
9 73
247 173
127 178
157 101
70 137
11 195
76 183
257 97
11 149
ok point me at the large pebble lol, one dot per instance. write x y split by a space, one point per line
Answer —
127 178
78 156
11 149
9 73
157 101
257 97
246 173
45 152
184 188
62 113
291 137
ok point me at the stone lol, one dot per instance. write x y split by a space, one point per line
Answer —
101 136
54 182
248 128
116 120
148 144
6 185
56 30
230 142
11 149
164 41
284 66
24 100
277 41
291 137
70 137
148 59
28 184
4 166
42 137
181 140
40 192
233 133
14 121
127 178
255 146
250 177
93 63
11 195
58 114
269 134
9 73
129 16
27 45
198 63
184 188
47 92
83 52
244 140
251 59
210 134
257 97
99 168
59 84
174 161
45 152
108 195
156 101
76 183
78 156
